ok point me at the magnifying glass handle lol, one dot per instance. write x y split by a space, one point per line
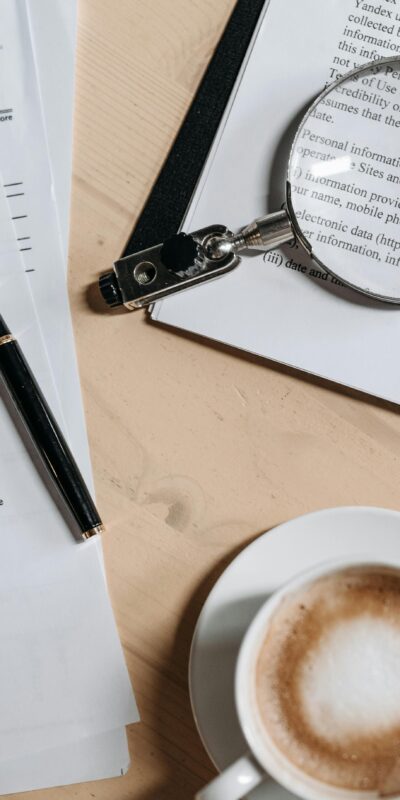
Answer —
264 233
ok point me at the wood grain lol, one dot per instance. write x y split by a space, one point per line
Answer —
196 449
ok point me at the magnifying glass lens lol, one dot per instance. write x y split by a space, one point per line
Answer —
344 179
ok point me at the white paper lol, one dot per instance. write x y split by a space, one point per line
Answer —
62 672
52 26
31 195
19 311
91 759
53 35
107 754
261 307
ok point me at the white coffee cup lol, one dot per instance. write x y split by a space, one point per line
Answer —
263 758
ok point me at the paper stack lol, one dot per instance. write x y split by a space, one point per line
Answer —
65 694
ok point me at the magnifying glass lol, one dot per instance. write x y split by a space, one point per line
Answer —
342 203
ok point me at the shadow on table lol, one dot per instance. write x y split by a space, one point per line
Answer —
180 753
276 366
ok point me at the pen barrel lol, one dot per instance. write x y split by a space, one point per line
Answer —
46 435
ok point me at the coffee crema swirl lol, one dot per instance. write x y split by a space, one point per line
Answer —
327 679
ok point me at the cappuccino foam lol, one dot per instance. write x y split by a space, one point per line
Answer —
327 679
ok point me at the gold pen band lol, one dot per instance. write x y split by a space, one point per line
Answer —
93 531
7 338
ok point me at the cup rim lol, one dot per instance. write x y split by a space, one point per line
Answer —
268 755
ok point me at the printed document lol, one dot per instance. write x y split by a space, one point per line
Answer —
96 755
29 183
62 675
275 305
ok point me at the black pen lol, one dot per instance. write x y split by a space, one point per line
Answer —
46 434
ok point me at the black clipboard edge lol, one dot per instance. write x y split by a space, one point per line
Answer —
170 196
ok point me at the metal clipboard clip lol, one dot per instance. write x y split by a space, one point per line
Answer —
186 260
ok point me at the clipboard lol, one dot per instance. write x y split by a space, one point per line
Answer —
172 191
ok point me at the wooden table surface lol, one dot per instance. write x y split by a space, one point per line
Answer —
196 449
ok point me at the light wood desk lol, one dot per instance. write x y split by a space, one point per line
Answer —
196 449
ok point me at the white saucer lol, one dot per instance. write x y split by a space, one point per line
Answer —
260 569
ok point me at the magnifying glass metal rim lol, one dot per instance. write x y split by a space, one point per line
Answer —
289 205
